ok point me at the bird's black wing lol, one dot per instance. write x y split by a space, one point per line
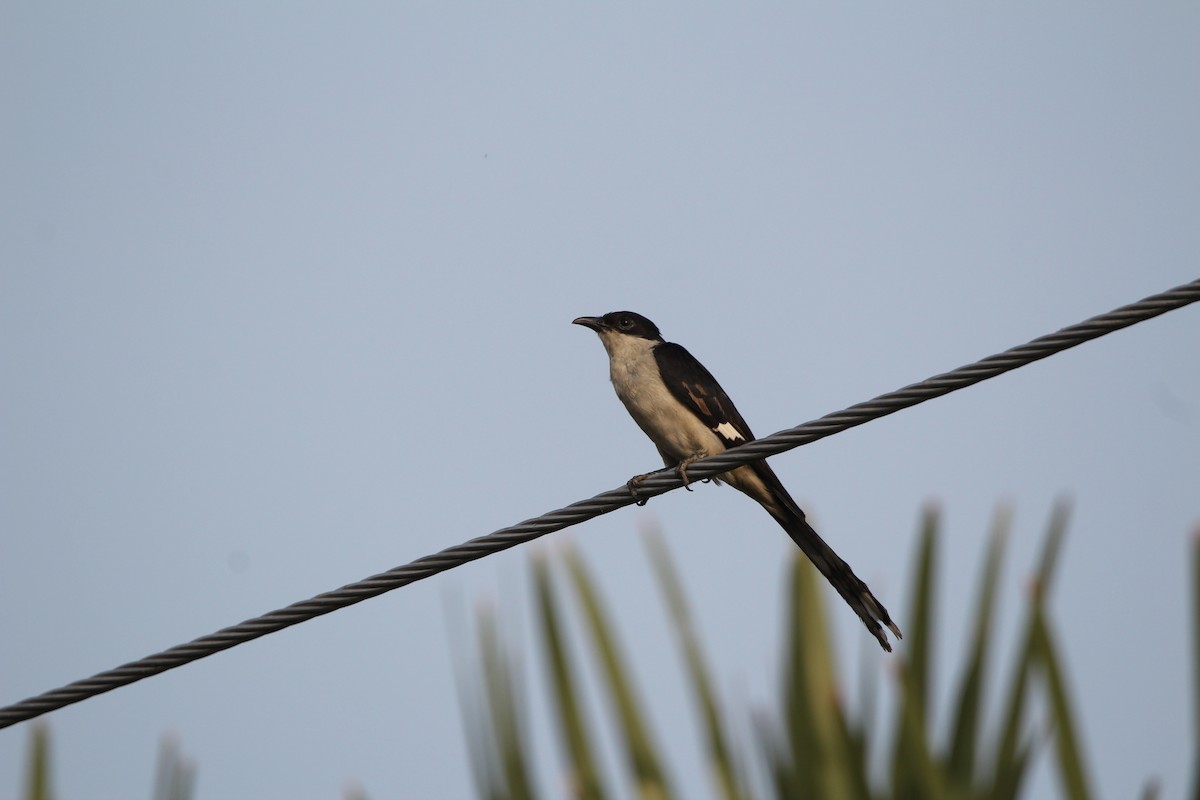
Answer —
695 387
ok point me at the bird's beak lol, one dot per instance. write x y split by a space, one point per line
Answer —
595 323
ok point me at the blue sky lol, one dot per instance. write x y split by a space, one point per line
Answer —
285 298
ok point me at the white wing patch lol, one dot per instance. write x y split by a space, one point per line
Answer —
728 431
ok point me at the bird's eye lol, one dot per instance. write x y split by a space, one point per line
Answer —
626 322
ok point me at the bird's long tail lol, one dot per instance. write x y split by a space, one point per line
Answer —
838 572
759 481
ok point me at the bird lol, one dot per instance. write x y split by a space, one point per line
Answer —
680 406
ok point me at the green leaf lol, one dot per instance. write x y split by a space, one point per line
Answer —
1012 754
484 774
780 767
1056 531
502 691
583 776
720 761
1066 736
1044 654
490 719
918 776
640 755
823 755
37 774
912 752
968 707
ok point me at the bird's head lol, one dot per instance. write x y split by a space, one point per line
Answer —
621 323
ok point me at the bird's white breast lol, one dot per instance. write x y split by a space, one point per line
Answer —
676 431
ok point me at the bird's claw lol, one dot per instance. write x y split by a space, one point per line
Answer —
682 469
632 484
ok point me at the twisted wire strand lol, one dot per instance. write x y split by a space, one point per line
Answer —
656 484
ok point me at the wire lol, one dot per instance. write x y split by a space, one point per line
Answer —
658 483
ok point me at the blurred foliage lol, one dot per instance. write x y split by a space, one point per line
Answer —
174 778
37 773
814 746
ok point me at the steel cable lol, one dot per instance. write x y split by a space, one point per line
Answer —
656 484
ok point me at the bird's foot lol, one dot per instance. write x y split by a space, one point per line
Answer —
683 467
633 483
